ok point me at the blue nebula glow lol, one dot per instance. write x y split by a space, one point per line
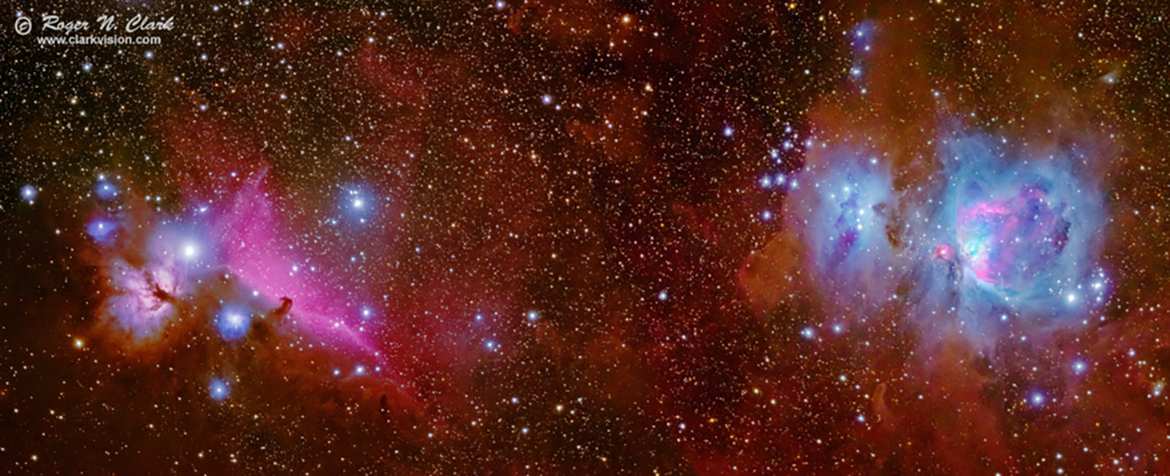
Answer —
358 204
102 231
28 193
1008 241
232 322
1013 231
219 389
105 190
1026 229
189 251
863 35
842 221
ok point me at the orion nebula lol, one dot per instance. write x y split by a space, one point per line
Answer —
1026 229
1007 236
518 237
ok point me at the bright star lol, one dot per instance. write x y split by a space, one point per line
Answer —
232 323
1037 399
808 333
219 390
28 192
190 251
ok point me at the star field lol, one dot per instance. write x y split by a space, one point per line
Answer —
586 237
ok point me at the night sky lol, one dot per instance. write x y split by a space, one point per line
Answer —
586 237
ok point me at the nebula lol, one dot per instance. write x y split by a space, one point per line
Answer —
839 208
1012 233
1026 230
167 269
588 238
1009 242
102 230
142 298
255 250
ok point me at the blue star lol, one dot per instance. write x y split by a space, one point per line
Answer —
232 322
28 193
219 389
808 333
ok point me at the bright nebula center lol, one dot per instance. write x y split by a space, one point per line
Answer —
1008 242
1008 234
